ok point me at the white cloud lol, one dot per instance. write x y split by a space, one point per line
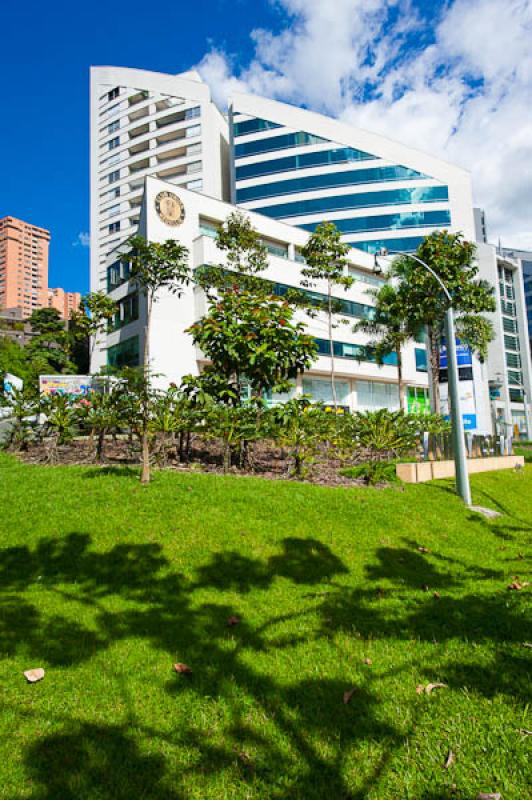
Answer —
83 240
465 94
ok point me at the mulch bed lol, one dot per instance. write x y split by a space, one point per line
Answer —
266 460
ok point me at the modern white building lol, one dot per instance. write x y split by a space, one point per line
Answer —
509 363
361 383
147 123
300 167
290 169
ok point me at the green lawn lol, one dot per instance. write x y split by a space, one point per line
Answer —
106 584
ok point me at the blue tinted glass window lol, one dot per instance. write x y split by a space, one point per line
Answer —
408 219
427 194
330 181
349 308
253 125
277 143
340 155
408 244
357 352
421 360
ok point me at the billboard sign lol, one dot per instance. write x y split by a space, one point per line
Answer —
71 385
463 355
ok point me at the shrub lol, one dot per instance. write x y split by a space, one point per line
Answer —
303 428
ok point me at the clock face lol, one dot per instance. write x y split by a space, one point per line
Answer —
170 208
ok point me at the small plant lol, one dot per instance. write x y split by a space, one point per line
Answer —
372 472
303 428
235 427
101 413
22 424
61 421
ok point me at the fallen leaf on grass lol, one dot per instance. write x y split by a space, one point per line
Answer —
349 694
489 796
449 761
244 758
368 662
233 620
34 675
182 669
516 586
436 595
429 687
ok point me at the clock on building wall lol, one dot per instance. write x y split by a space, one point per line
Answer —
170 208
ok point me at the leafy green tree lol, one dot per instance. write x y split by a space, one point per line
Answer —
390 329
325 256
453 259
155 266
246 254
251 335
50 346
14 359
89 321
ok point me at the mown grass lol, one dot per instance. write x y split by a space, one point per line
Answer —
106 584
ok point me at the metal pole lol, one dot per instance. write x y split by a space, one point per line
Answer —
460 459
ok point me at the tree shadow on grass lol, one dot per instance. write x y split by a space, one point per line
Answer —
131 592
100 761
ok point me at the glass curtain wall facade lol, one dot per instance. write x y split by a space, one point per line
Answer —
303 179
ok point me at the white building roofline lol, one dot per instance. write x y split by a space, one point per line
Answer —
185 85
345 134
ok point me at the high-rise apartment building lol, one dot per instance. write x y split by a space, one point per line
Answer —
23 265
303 168
147 123
64 302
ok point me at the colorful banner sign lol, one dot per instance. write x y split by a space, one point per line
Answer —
71 385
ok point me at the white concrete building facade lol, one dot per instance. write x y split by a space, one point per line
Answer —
147 123
289 169
361 383
509 362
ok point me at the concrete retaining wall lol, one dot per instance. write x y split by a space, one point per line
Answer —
431 470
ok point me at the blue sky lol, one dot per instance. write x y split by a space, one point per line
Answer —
451 77
46 52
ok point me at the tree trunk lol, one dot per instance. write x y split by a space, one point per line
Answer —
99 445
227 457
434 359
145 472
400 383
331 344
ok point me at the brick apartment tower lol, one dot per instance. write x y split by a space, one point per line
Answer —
23 266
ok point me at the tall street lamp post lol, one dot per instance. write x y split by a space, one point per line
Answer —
457 423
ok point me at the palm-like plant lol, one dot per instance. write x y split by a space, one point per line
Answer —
100 413
390 328
61 420
21 426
